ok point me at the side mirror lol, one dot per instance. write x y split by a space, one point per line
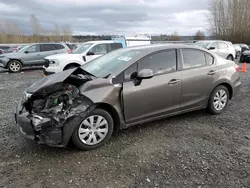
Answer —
211 48
145 74
90 53
26 52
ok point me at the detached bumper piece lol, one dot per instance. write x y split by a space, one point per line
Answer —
40 128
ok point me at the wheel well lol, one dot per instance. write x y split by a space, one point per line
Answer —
112 111
15 60
71 64
230 89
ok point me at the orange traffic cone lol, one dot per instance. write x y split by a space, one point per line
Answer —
244 67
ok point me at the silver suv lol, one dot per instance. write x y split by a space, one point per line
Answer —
224 49
31 55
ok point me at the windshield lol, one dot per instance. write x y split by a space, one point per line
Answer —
110 63
82 48
202 44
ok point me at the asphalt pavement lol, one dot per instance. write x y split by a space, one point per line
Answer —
193 150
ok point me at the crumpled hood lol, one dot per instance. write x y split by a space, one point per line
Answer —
62 56
49 83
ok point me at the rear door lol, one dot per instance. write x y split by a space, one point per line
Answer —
199 76
156 96
46 50
96 51
32 55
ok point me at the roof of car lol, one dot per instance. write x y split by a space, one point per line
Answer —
156 47
100 41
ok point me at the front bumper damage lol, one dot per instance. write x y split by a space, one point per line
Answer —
50 129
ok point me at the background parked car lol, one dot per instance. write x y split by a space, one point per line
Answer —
85 53
244 47
31 55
224 49
5 49
237 50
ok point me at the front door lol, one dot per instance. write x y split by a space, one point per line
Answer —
96 51
32 55
199 77
159 95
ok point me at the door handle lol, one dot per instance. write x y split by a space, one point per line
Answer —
174 81
38 55
212 72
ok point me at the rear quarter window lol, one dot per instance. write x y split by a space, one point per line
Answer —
209 59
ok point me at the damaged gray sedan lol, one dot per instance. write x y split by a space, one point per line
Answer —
124 88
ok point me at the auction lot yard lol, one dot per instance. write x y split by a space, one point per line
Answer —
190 150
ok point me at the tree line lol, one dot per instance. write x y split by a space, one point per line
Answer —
229 20
11 32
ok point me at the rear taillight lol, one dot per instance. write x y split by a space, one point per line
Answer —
69 51
237 69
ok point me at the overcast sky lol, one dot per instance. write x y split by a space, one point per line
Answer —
111 16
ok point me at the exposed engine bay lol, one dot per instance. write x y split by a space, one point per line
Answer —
54 106
58 102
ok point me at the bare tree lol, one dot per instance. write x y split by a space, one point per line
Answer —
229 20
175 37
35 23
199 35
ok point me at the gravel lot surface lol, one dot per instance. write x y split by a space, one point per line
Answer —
190 150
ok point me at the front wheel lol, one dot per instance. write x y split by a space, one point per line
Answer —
14 66
94 130
218 100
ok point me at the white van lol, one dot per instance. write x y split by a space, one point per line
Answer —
85 53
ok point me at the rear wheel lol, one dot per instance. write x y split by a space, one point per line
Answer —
94 130
15 66
230 57
218 100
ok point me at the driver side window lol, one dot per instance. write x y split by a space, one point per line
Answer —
213 45
99 49
33 49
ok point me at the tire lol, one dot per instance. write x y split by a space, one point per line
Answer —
14 66
88 136
219 93
230 57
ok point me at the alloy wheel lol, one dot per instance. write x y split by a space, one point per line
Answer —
15 66
93 130
220 100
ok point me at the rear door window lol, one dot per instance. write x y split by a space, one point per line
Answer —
47 47
193 58
58 46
